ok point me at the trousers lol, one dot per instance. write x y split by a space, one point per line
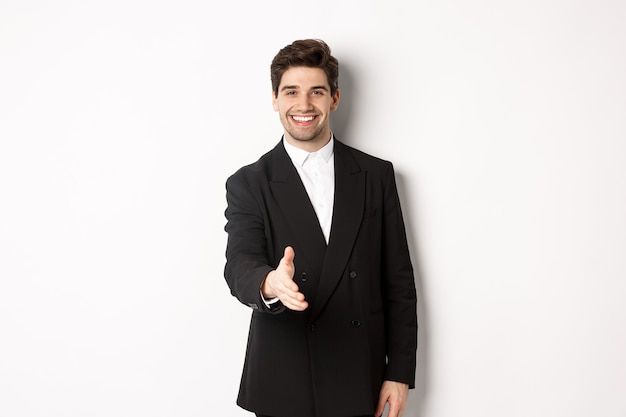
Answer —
261 415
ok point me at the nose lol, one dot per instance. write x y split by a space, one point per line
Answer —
304 103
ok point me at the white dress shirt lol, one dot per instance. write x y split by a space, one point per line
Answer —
317 172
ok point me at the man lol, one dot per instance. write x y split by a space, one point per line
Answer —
317 248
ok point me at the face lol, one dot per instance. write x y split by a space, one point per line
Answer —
304 104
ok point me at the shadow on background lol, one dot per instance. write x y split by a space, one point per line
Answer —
417 397
341 119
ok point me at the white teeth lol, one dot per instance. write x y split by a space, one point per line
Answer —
302 118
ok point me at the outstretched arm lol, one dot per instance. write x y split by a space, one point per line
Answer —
250 271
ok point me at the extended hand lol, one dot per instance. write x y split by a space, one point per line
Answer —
394 393
279 283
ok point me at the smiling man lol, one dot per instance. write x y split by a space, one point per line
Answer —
304 101
317 248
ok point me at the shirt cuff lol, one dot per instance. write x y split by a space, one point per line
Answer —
268 302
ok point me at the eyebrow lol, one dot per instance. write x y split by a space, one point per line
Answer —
296 87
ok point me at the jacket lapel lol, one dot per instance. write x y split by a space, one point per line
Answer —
297 211
347 214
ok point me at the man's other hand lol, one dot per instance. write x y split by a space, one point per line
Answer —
394 393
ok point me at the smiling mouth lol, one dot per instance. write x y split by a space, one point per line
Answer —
303 119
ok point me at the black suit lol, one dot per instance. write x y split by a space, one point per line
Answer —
361 326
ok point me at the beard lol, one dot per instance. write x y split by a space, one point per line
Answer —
307 134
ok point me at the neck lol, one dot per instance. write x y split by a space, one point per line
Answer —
313 145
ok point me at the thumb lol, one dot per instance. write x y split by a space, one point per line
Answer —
288 256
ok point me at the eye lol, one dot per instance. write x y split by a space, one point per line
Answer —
318 92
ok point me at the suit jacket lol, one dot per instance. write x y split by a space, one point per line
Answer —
361 325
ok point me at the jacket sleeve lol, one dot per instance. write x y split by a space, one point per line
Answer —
398 287
247 262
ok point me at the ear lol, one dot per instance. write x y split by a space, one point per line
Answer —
335 103
274 101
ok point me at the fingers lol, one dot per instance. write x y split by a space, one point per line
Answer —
294 301
291 297
381 405
395 410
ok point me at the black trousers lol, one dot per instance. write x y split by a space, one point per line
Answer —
261 415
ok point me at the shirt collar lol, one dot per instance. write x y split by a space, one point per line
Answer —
299 156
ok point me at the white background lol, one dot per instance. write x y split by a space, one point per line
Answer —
121 120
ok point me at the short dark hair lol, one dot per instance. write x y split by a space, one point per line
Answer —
313 53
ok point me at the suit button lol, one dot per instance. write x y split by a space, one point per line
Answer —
353 274
304 277
311 327
356 323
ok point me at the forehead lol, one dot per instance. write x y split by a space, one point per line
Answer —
304 77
